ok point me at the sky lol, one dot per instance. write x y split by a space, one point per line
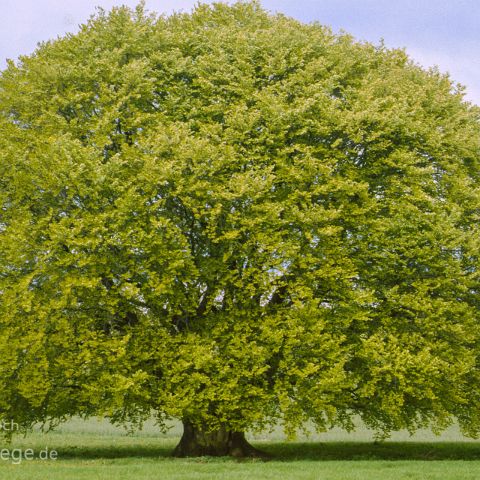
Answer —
445 33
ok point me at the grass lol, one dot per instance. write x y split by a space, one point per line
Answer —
95 450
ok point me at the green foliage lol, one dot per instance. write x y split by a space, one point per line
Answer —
235 218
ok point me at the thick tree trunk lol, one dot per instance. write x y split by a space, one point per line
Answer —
222 442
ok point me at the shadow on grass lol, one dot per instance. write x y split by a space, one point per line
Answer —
114 452
374 451
302 451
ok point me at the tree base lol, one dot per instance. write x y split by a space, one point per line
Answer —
220 443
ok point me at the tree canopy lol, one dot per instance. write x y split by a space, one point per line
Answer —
236 219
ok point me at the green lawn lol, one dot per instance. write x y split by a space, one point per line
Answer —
96 450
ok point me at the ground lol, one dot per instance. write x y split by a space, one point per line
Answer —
96 451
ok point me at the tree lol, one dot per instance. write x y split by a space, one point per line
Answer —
236 219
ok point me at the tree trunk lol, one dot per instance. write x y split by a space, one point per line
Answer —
223 442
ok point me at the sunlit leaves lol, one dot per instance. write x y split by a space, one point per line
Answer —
234 218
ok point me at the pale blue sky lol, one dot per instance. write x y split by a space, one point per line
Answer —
444 33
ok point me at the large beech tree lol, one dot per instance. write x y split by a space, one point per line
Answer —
235 219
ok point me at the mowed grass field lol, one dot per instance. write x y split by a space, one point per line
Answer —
95 450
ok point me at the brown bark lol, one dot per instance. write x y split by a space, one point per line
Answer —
196 442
